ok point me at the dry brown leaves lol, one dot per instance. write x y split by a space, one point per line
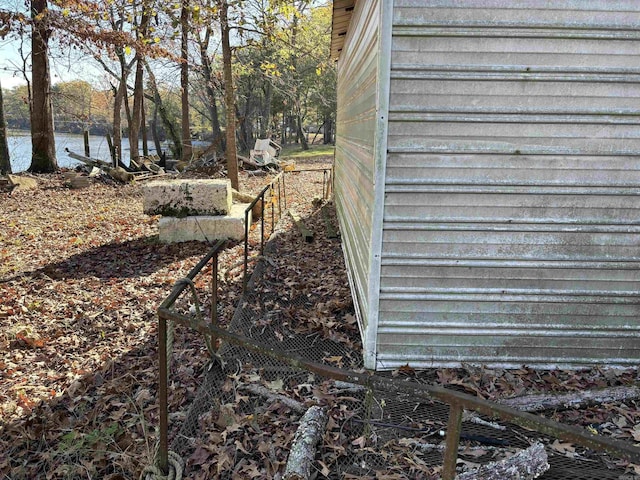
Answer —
81 275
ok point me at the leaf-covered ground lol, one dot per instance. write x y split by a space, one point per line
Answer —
81 277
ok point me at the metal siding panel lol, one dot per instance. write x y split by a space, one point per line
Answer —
512 212
355 137
495 96
497 169
588 14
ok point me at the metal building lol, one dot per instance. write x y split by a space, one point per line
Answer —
488 179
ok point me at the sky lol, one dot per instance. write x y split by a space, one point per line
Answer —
65 66
9 59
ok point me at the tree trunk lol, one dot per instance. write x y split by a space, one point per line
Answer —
154 130
232 159
5 160
246 127
43 158
125 101
138 90
302 138
136 114
117 119
283 138
170 129
143 127
265 124
212 105
184 81
328 130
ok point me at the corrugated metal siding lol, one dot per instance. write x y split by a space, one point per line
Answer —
355 140
512 214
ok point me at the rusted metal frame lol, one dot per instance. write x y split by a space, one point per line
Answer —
273 211
325 182
280 199
163 451
454 427
214 298
259 196
284 190
540 424
178 288
262 224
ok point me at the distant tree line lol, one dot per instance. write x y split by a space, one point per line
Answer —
228 71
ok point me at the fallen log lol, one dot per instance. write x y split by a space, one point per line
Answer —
540 402
92 162
303 448
273 397
526 464
302 228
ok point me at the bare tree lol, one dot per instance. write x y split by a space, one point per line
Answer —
184 80
138 87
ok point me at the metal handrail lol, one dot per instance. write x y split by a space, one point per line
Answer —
260 196
165 306
279 181
165 313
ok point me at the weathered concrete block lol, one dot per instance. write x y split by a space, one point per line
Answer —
181 198
204 227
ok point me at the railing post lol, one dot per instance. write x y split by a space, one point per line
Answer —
280 198
163 453
324 181
273 210
262 224
246 250
284 188
214 298
454 425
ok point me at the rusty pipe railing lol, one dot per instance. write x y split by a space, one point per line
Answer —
275 182
457 401
327 175
163 353
279 183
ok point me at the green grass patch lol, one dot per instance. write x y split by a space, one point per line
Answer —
294 151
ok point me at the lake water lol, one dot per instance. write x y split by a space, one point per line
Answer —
20 149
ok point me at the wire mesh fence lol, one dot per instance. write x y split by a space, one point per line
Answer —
268 369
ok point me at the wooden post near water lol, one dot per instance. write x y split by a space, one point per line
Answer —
87 152
112 151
